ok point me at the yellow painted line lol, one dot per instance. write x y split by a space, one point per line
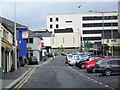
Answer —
46 62
19 85
24 78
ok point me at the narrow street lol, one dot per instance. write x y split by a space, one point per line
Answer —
56 74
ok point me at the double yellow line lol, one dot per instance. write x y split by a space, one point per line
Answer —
46 62
24 80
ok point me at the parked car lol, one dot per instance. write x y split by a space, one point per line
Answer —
81 57
81 63
92 61
68 58
74 59
33 60
63 53
90 65
50 54
108 67
23 60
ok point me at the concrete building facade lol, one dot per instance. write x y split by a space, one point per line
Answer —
6 48
88 27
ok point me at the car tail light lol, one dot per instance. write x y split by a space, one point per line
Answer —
66 59
97 66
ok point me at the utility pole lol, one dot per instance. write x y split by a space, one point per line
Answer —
15 47
79 37
103 31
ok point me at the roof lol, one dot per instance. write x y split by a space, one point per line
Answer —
31 34
10 24
43 33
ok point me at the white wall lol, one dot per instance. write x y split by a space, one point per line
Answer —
66 40
76 25
75 18
47 41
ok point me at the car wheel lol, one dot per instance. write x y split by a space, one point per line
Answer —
108 72
66 63
82 66
93 70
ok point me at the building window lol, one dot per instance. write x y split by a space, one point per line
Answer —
73 40
68 21
98 31
51 19
63 39
53 40
57 26
57 19
51 26
99 18
99 24
31 53
27 40
67 30
30 40
91 38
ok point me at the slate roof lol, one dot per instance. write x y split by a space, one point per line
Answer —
10 24
43 33
31 34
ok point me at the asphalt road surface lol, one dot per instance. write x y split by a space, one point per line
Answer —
56 74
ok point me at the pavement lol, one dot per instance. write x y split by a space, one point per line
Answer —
11 78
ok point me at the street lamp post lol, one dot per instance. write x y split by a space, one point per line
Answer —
112 35
78 40
103 30
79 37
15 35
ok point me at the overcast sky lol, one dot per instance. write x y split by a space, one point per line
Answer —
33 14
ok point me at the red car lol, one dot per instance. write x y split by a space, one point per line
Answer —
93 61
90 67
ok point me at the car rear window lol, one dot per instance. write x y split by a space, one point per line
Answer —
33 57
76 57
114 62
69 56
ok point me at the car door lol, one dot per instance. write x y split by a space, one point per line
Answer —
114 66
118 66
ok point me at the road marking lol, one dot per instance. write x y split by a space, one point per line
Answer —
18 79
24 79
46 62
100 83
106 86
91 78
96 81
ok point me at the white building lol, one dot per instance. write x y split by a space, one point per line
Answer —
34 45
88 27
119 15
46 36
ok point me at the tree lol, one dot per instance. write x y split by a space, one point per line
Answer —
61 48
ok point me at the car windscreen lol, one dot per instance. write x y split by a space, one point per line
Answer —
33 58
69 56
76 57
